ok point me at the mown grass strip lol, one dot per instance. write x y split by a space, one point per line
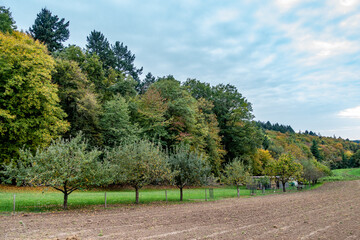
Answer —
347 174
39 200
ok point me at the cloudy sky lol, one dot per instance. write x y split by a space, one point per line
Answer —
296 61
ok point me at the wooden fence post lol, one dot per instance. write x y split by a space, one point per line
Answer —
14 203
105 200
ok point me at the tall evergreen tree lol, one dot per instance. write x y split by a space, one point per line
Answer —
124 61
145 84
7 23
50 30
98 44
315 150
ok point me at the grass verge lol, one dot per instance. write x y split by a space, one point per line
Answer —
347 174
40 199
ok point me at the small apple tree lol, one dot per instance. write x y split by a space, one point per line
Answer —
65 165
285 168
188 168
138 164
236 173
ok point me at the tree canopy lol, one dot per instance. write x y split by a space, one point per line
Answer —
138 164
66 165
236 173
188 167
29 105
285 168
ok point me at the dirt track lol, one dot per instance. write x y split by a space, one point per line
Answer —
329 212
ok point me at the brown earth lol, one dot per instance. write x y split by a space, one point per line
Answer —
329 212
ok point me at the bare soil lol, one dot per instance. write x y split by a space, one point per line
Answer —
329 212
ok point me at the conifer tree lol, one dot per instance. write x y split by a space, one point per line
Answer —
50 30
7 23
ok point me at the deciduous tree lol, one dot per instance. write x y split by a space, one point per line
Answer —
240 135
188 167
285 168
78 100
236 173
138 164
29 105
313 170
149 113
115 122
66 165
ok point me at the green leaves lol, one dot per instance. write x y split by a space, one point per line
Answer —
30 111
313 170
285 168
138 163
64 161
115 122
234 114
78 99
66 165
236 173
189 167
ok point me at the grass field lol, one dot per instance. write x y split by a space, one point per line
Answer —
39 199
343 175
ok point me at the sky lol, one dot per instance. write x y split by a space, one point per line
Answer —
296 61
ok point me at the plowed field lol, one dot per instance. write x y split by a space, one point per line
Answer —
329 212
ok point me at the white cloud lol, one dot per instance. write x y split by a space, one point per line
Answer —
321 49
348 2
339 7
350 113
285 5
351 24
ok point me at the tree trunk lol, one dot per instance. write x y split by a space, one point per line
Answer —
137 195
181 194
238 190
66 194
284 188
65 200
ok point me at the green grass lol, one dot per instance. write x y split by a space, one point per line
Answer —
51 200
35 200
343 175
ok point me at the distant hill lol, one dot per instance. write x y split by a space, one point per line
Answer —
334 152
275 127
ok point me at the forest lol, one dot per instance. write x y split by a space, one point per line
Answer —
72 117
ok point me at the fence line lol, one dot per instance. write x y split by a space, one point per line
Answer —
30 201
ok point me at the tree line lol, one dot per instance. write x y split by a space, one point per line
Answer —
50 91
91 108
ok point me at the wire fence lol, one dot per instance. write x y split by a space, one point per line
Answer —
35 201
